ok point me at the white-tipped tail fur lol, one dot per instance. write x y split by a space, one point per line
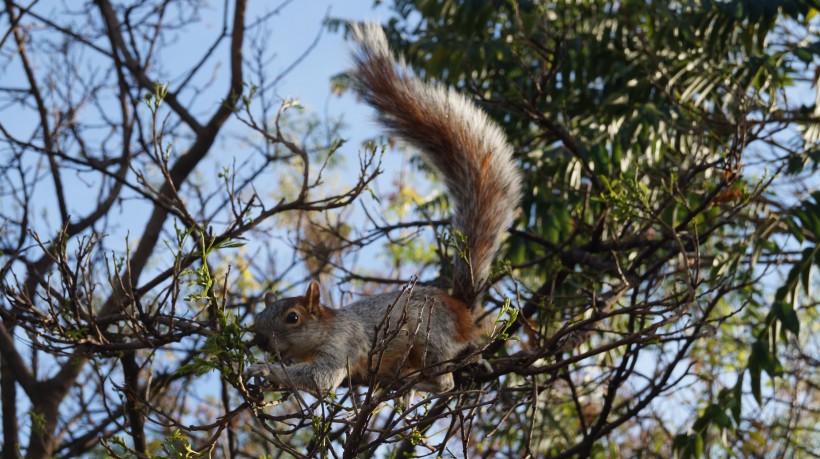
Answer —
467 148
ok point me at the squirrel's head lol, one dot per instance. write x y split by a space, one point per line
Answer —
293 326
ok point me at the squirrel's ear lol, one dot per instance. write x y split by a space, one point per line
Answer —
270 298
312 298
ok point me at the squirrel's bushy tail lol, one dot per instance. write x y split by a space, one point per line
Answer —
468 149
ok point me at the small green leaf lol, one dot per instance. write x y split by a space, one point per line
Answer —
698 445
229 245
737 398
754 373
785 313
719 417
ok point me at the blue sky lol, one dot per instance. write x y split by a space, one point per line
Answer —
285 38
295 28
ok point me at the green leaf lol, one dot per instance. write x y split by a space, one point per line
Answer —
754 374
785 313
719 416
229 244
698 445
737 398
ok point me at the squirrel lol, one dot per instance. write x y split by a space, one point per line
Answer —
413 332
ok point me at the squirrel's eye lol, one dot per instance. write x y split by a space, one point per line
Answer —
292 318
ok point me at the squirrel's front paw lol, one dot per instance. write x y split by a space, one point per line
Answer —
260 370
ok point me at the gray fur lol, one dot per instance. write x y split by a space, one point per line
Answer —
391 324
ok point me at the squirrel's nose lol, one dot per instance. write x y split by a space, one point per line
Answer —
257 340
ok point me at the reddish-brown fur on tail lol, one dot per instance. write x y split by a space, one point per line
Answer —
467 148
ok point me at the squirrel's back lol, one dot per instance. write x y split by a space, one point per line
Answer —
409 330
468 149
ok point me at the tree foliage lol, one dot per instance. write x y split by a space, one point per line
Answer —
670 148
655 297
